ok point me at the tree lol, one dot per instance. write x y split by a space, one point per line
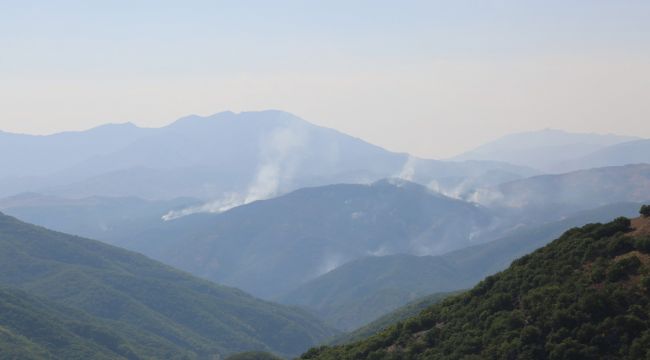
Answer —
645 210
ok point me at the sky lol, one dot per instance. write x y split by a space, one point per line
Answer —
433 78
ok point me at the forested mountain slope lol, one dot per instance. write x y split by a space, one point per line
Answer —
584 296
35 328
269 247
184 315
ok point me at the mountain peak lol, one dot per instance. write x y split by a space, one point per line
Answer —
252 118
125 126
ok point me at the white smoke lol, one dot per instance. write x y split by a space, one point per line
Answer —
491 196
408 170
434 186
280 154
280 157
329 263
466 190
381 251
228 202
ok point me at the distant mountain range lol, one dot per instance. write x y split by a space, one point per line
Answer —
296 213
560 151
130 303
229 159
631 152
551 197
99 218
271 247
338 230
34 155
226 158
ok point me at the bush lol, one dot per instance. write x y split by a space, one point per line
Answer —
645 283
645 211
619 245
643 244
620 224
623 268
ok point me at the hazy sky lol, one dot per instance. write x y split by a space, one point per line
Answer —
429 77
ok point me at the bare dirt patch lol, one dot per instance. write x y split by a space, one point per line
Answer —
641 226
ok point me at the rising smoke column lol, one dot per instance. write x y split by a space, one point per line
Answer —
280 157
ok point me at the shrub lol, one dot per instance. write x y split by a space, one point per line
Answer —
620 224
619 245
643 244
645 283
645 211
622 268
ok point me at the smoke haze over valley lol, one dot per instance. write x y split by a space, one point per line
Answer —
325 180
310 217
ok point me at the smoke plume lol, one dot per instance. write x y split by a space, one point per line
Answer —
280 156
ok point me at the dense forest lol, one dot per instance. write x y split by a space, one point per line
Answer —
586 295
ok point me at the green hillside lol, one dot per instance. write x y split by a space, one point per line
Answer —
168 313
584 296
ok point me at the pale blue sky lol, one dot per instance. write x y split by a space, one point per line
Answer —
429 77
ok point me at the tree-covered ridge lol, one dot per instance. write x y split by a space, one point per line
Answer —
168 313
584 296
